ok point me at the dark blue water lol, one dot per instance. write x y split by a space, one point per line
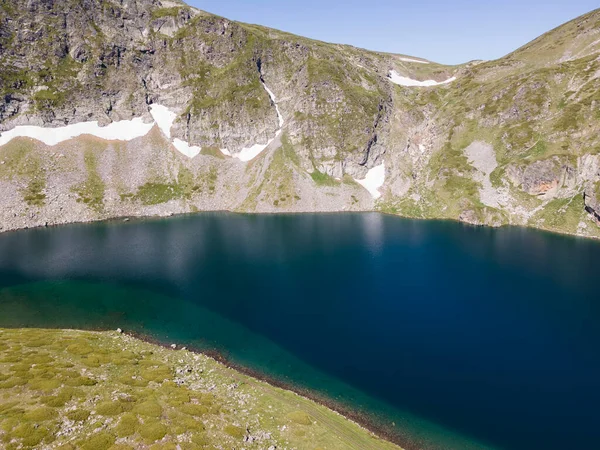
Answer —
445 335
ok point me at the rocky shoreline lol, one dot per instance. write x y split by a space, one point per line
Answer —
168 214
388 433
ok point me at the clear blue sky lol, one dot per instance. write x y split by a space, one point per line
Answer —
445 31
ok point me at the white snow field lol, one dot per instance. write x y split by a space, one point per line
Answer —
248 154
374 180
270 92
185 148
164 118
396 78
124 130
414 60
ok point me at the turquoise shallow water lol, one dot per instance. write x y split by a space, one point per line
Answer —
445 335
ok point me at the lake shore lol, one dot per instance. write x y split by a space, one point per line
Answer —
308 300
168 214
362 420
180 383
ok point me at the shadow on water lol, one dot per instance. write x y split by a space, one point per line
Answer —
490 333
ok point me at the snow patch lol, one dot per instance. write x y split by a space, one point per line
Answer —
185 148
164 118
396 78
279 116
248 154
374 180
127 130
414 60
124 130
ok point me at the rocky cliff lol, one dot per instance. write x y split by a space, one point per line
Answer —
247 118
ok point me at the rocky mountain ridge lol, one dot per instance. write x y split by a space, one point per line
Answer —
275 122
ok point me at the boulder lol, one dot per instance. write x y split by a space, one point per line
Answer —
545 177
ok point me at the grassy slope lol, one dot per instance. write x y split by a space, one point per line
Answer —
89 390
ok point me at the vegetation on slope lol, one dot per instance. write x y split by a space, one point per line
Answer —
538 107
96 391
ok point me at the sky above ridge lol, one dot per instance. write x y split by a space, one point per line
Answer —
446 31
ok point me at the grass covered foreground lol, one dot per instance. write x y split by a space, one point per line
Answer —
64 389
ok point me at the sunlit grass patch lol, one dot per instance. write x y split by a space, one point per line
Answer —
33 435
234 431
80 349
142 396
300 417
109 408
194 409
187 423
80 381
12 383
133 381
164 446
78 415
59 400
152 431
98 441
40 414
160 373
322 179
45 385
128 425
148 409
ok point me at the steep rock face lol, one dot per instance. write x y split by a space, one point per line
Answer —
66 62
545 177
108 61
592 201
590 173
515 140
